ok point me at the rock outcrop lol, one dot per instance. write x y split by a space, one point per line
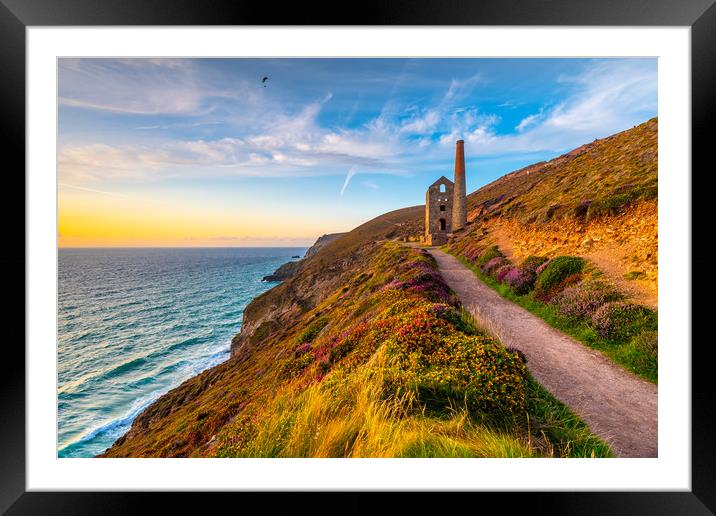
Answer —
284 272
321 242
288 269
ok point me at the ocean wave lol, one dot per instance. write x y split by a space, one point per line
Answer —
110 372
163 317
185 343
130 365
118 426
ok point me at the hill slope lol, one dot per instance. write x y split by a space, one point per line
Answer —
598 201
318 275
365 352
575 241
384 365
592 180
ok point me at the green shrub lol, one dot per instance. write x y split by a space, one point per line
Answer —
641 354
619 321
611 205
647 343
489 254
582 300
634 275
557 274
531 263
312 330
447 368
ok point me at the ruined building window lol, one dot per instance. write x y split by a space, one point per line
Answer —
442 207
442 224
442 188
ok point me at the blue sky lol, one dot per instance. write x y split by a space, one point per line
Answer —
327 143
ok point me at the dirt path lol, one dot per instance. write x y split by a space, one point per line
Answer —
618 406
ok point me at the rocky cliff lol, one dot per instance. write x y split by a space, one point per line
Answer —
179 423
288 269
343 357
321 242
317 275
284 272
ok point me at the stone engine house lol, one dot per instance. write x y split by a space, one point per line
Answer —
446 203
438 211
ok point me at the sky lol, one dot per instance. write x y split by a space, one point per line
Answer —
203 152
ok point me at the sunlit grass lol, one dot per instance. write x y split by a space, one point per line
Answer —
384 366
351 414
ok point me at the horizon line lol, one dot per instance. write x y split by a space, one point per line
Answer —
187 247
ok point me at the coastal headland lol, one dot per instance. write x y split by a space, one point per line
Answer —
364 350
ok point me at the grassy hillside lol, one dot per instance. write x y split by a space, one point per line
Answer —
386 365
575 241
596 179
598 201
279 309
364 351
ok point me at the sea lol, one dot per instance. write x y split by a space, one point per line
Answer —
135 323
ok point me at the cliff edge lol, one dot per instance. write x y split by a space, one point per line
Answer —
288 269
363 350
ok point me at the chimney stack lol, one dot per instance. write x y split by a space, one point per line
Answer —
459 203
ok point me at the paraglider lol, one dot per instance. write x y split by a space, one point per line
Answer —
263 81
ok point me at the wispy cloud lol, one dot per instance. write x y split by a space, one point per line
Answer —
137 86
423 123
265 132
528 121
606 97
103 192
510 104
294 145
178 125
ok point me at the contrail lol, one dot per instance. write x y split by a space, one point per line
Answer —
349 176
114 194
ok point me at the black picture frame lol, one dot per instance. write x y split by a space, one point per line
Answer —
17 15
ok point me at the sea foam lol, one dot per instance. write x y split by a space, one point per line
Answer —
135 323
